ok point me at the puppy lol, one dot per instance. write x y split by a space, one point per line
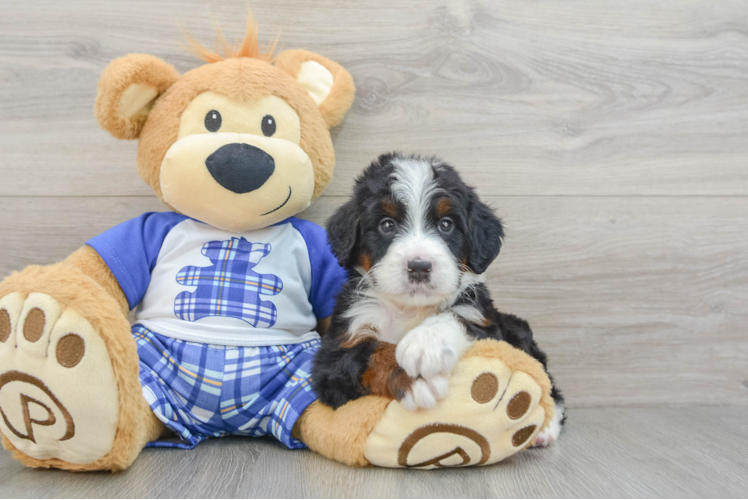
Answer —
415 240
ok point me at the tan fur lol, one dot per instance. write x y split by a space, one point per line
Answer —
341 434
323 325
115 80
243 79
70 287
443 207
337 103
384 377
92 265
243 74
518 360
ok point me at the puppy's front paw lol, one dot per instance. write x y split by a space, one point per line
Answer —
424 393
424 353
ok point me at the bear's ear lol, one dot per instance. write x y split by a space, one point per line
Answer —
127 89
327 82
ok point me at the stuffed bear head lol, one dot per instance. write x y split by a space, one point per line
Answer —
239 143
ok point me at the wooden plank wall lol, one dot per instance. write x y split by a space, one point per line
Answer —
612 137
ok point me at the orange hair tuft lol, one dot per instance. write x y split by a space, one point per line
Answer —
249 47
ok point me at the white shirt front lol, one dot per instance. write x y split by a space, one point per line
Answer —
211 286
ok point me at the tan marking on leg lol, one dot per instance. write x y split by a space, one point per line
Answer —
33 327
522 435
485 386
384 377
70 350
4 325
519 405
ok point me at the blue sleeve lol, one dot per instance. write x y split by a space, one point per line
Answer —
327 275
131 249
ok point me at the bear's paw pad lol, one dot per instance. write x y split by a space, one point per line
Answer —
490 413
58 393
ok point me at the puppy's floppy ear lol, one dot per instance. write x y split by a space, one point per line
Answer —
342 231
327 82
127 89
486 233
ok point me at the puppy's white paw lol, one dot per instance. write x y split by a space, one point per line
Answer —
424 393
543 439
550 434
439 386
423 352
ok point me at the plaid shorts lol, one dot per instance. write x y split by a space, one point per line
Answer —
200 391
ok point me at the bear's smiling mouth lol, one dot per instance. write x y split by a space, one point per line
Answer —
281 205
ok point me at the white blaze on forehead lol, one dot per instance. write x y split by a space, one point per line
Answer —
414 186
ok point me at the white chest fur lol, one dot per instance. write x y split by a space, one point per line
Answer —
390 322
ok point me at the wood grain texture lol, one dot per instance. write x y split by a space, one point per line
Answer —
637 301
605 453
583 97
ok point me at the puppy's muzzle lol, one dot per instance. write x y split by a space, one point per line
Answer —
419 270
240 168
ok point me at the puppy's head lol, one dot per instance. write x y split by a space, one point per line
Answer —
415 229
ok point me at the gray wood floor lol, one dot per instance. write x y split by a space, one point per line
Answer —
612 138
628 452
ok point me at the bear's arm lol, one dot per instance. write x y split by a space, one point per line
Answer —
322 325
92 265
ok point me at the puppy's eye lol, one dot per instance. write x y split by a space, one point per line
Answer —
446 225
387 226
213 120
268 125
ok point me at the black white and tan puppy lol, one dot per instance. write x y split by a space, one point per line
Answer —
416 241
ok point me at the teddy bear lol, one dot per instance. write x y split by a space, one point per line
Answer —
230 292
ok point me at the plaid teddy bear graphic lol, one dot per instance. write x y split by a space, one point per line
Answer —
230 287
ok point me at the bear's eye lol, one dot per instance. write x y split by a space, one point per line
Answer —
213 120
268 125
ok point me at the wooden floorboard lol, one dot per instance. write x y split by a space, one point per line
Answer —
578 97
687 452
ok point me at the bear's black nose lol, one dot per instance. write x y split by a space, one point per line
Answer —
240 168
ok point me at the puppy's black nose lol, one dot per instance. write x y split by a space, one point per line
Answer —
240 168
419 270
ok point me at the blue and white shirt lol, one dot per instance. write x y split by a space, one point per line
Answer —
194 282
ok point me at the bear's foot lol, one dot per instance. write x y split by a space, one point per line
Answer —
70 394
58 393
498 401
